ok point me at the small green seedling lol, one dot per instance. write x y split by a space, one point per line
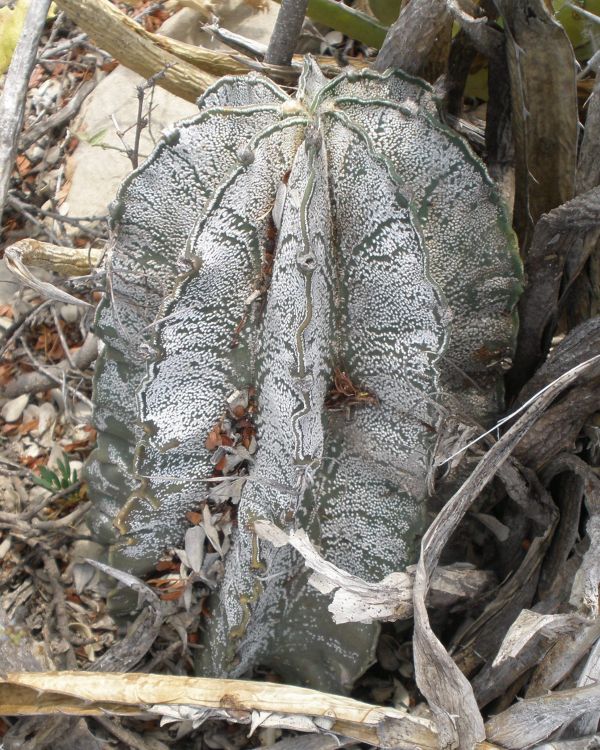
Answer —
54 482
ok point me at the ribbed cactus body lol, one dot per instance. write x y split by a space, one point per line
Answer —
282 244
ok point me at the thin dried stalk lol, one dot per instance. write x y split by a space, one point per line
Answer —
87 694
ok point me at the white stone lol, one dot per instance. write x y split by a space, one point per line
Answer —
13 409
69 313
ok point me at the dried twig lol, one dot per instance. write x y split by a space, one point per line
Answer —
30 211
60 118
17 328
58 606
15 87
31 382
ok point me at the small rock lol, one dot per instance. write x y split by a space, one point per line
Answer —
46 95
69 313
5 323
33 450
35 154
47 416
13 409
82 412
53 155
59 399
31 412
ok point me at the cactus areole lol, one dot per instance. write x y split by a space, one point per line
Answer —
332 276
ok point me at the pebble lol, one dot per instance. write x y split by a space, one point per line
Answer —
46 415
53 155
13 409
69 313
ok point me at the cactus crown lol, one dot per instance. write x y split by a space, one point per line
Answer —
334 273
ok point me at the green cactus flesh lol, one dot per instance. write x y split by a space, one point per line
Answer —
392 263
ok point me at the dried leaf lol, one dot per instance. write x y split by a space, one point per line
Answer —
194 547
14 262
449 694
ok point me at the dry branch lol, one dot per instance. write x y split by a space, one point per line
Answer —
187 70
15 88
86 694
32 382
410 40
58 119
136 48
288 26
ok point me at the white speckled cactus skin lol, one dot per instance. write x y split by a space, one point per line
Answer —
394 261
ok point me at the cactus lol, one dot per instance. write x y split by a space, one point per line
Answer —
344 254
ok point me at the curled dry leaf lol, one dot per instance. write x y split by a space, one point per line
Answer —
16 262
64 261
357 600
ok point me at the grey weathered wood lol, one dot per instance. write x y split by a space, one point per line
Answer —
544 111
533 720
12 104
288 26
410 40
448 692
562 232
